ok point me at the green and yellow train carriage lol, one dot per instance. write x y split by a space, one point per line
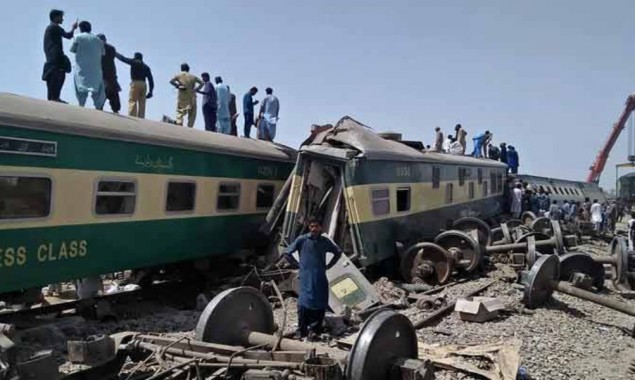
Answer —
84 192
375 194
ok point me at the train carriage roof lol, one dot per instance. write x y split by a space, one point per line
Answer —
350 138
20 111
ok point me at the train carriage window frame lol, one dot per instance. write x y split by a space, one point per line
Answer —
470 190
403 190
436 177
480 175
499 184
167 195
273 195
48 207
98 193
485 189
492 183
380 200
228 195
462 175
449 193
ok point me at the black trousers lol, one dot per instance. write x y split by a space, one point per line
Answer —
54 84
310 320
249 121
209 114
112 94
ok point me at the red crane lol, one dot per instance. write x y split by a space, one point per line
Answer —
600 160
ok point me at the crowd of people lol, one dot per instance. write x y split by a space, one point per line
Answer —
483 147
95 73
603 215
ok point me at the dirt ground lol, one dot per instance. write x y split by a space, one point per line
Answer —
568 339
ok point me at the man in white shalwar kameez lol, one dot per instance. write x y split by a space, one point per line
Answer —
517 198
596 215
88 50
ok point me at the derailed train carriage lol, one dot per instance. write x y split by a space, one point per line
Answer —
84 192
376 195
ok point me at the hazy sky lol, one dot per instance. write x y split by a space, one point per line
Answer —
547 77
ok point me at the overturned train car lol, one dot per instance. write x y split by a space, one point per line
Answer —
374 194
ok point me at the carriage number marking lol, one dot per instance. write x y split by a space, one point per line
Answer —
267 171
403 171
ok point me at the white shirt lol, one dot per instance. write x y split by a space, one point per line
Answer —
446 145
517 198
596 213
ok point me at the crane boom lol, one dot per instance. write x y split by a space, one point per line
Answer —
600 160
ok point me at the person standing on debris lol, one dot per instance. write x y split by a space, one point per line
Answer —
233 113
438 140
57 63
631 231
209 103
478 141
573 210
139 73
554 211
503 154
314 287
611 217
460 137
596 215
493 152
447 143
512 160
248 110
188 85
109 72
268 117
88 50
223 116
517 199
566 210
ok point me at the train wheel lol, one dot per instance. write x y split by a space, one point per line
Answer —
427 262
465 251
476 227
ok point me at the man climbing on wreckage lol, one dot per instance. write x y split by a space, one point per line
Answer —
314 287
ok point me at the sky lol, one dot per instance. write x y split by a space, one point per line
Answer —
548 77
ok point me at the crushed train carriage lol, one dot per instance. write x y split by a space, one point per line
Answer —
374 194
84 192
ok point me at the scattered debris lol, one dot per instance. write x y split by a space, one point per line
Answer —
478 309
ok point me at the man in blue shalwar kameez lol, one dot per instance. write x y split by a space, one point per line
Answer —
88 49
314 286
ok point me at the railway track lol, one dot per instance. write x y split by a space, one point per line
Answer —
179 293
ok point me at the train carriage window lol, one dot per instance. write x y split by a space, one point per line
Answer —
180 196
480 175
485 188
449 193
462 174
228 196
436 177
115 197
561 192
492 182
264 196
24 197
470 190
499 184
381 201
403 199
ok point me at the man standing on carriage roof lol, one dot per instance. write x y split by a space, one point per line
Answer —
57 63
139 92
188 85
314 286
109 72
88 77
